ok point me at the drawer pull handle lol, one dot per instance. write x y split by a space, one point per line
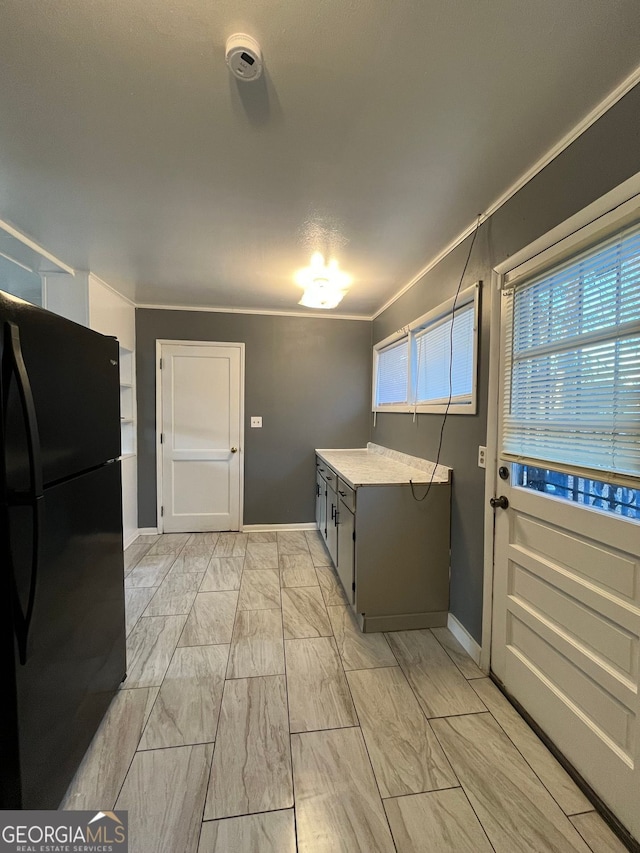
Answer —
342 494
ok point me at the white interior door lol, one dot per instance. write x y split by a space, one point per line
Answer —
201 432
566 598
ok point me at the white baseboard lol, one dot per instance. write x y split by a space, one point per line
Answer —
464 638
130 539
262 528
141 531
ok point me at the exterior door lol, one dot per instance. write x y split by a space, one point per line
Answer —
566 598
200 442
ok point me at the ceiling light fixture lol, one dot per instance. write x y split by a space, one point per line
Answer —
324 284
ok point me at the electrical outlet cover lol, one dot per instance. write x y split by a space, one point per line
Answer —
256 422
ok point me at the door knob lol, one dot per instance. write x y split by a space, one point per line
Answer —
234 449
500 502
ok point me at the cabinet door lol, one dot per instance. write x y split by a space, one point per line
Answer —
345 566
321 505
332 529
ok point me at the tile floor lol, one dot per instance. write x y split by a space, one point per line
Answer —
256 718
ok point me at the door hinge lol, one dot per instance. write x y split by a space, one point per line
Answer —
160 364
354 535
353 586
161 438
161 511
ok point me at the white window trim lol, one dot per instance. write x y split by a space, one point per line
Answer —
465 297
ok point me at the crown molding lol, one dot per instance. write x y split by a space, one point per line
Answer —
264 311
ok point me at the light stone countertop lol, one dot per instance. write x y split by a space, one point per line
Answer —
375 465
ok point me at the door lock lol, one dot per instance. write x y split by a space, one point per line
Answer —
501 502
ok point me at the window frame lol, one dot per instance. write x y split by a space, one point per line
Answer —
431 319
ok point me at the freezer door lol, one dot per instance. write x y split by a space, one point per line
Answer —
75 656
74 381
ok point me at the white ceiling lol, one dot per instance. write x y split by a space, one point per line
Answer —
381 128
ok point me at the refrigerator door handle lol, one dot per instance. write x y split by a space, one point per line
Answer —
35 495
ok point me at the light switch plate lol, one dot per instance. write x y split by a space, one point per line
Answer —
256 422
482 457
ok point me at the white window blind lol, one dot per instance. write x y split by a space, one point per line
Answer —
437 375
392 374
572 382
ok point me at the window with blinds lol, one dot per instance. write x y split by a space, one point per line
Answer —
572 348
392 374
444 359
430 365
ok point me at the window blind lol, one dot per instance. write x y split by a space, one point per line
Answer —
435 381
572 347
391 385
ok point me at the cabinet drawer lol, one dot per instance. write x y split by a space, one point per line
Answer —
347 494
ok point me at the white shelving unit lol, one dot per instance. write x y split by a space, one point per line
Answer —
127 403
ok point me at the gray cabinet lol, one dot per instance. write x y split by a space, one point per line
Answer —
321 504
391 552
332 509
345 523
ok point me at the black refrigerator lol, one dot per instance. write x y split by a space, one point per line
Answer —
62 628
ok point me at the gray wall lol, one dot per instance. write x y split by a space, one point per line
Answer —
607 154
309 378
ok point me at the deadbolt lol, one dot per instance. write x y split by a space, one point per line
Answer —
503 472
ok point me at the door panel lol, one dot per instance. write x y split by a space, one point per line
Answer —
201 411
566 633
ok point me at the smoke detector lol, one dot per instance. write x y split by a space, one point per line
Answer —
244 57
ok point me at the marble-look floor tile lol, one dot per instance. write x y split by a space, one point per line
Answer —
135 602
515 809
187 707
404 752
186 563
147 538
169 543
338 807
261 555
319 553
260 590
222 573
257 647
134 553
297 570
437 682
231 545
458 655
439 822
164 794
319 696
101 774
207 538
330 586
198 549
251 769
269 832
358 650
292 542
263 536
150 571
304 613
211 619
597 834
150 647
175 595
552 775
